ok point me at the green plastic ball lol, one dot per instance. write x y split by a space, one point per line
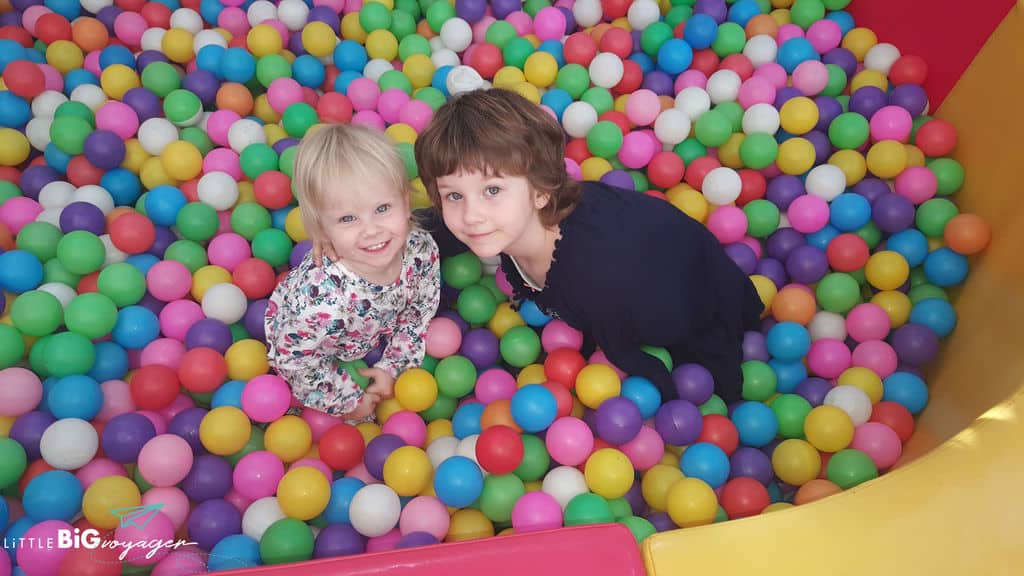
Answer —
871 234
475 304
531 7
654 36
123 283
587 508
604 139
408 153
432 96
297 119
438 14
713 128
40 239
620 508
659 353
520 346
574 79
13 461
195 136
429 363
641 528
55 271
714 405
933 215
836 81
254 444
759 380
352 368
949 174
8 190
758 150
443 408
141 482
69 353
678 14
838 292
849 131
395 80
258 158
36 313
187 252
536 459
81 252
730 40
182 107
807 12
413 44
273 246
403 25
733 112
36 356
499 496
270 68
197 221
499 33
516 51
762 218
74 108
926 291
374 16
640 181
849 468
249 219
791 410
410 7
491 284
690 149
92 315
836 4
287 161
68 134
12 346
456 376
600 98
285 541
462 270
238 332
160 78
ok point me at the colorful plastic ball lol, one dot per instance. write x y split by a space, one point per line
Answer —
533 407
458 481
788 341
691 502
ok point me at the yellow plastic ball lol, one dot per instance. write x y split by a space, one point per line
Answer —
781 3
541 69
303 493
246 359
14 147
828 428
532 39
351 29
532 374
852 163
419 197
914 155
153 174
869 78
261 107
117 79
469 524
865 379
534 486
263 40
655 483
177 45
408 471
314 452
670 459
766 289
416 389
691 502
369 430
935 243
781 17
224 430
288 437
577 409
609 473
182 160
206 277
439 429
274 132
796 156
796 461
859 41
387 408
508 76
776 506
401 133
106 494
896 304
528 91
245 192
689 200
6 422
419 69
886 159
729 152
318 39
505 318
887 270
134 156
382 44
596 383
799 115
289 56
620 103
594 167
294 227
65 56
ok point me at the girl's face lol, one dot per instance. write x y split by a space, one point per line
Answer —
491 214
368 226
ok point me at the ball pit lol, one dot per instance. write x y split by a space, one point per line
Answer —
147 215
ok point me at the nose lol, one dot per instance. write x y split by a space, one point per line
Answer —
473 211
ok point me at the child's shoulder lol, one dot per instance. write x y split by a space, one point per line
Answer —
420 241
311 279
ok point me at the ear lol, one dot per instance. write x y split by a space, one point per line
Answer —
541 199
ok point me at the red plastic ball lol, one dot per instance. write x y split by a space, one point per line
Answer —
908 69
239 42
617 41
132 233
101 561
331 74
156 15
739 64
706 61
562 366
499 450
254 277
34 469
19 35
24 78
618 118
895 416
130 5
666 169
721 432
334 107
154 387
202 370
577 150
612 9
487 60
744 496
753 186
847 253
190 189
656 194
52 27
579 48
81 172
936 138
563 399
89 283
342 447
632 78
273 189
10 174
193 4
699 168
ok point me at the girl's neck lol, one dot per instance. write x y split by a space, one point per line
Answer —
535 251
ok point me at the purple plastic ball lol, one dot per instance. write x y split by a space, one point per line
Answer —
782 190
416 539
807 264
661 521
28 431
773 270
11 18
635 497
636 35
868 100
149 302
502 8
714 8
82 216
34 178
213 520
679 422
283 144
822 146
471 11
618 178
338 540
104 149
892 213
782 242
751 463
910 97
204 85
694 383
570 19
828 109
755 347
125 435
326 15
378 450
814 390
209 478
186 425
618 420
295 43
164 238
659 82
299 252
843 58
743 256
481 347
915 344
786 94
147 57
209 333
145 103
872 189
253 319
107 15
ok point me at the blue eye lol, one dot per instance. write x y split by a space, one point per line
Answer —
453 196
493 190
347 218
383 208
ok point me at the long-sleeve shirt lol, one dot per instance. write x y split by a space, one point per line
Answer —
322 314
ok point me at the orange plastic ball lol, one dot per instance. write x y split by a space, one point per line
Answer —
967 234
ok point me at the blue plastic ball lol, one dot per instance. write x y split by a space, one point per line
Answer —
533 407
944 267
440 79
788 375
14 110
674 56
844 19
78 77
228 394
136 327
458 482
911 244
795 51
788 341
124 186
849 212
210 11
532 314
163 203
742 11
9 52
906 389
821 238
342 492
466 420
700 31
935 313
75 396
209 58
555 48
237 65
351 56
116 55
142 262
756 424
643 393
20 271
308 71
234 551
53 495
705 461
111 362
558 100
344 79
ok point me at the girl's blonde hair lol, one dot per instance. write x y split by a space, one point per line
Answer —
333 158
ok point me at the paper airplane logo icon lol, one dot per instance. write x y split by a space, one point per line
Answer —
138 516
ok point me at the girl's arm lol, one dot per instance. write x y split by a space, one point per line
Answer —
407 347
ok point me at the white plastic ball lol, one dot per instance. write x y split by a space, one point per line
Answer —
467 449
463 79
724 86
722 186
46 103
784 221
89 94
826 181
564 483
444 57
95 6
38 132
208 38
436 43
852 400
187 19
672 126
693 100
50 216
218 189
827 325
442 449
95 195
56 194
578 118
152 39
61 291
881 57
259 11
242 133
114 254
456 34
374 510
156 134
587 13
606 70
225 302
294 14
328 59
376 68
491 264
761 118
260 515
761 50
69 444
643 13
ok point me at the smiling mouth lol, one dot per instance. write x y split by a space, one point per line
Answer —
379 247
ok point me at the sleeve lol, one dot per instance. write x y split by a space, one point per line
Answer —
430 220
303 326
407 348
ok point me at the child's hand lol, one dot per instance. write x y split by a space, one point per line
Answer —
323 248
383 384
365 408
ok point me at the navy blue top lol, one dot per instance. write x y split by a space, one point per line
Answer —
632 270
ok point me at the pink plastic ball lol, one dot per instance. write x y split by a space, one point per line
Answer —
788 32
879 442
228 250
536 511
31 15
810 77
223 160
690 78
425 514
891 123
99 468
118 118
774 73
234 20
19 211
129 27
314 463
92 62
756 90
165 460
159 527
877 356
728 224
52 79
282 93
637 150
280 27
828 357
178 316
808 213
417 114
390 104
218 124
352 5
336 5
363 93
385 542
224 227
158 421
182 562
918 184
117 400
642 106
480 30
266 398
163 351
549 24
408 426
240 502
178 405
175 503
867 322
20 391
645 449
41 559
443 337
558 334
754 244
569 441
319 422
599 357
824 35
574 170
502 281
369 118
521 21
360 472
495 384
168 280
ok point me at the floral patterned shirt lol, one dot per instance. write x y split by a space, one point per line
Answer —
322 314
